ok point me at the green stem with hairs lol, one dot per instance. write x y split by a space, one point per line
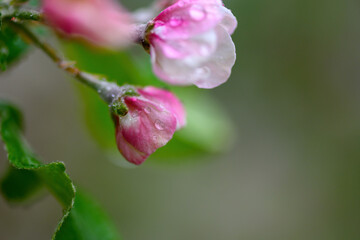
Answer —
21 15
107 90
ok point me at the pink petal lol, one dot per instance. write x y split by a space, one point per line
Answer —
191 43
219 66
144 129
186 18
198 45
168 100
102 22
229 21
204 71
128 151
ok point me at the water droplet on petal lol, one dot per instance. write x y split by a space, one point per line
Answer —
135 114
159 125
147 110
204 50
203 72
181 4
197 13
175 22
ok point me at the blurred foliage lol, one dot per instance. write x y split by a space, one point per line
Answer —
12 47
208 129
82 219
20 184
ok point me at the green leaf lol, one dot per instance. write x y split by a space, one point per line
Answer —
20 184
4 55
208 131
82 219
86 213
12 47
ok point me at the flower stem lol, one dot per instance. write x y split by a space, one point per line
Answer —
22 15
107 90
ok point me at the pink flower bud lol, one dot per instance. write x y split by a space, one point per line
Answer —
190 43
151 121
102 22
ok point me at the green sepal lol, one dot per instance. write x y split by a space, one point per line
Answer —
119 108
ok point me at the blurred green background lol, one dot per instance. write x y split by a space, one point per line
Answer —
291 172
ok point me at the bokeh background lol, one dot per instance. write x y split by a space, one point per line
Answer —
291 172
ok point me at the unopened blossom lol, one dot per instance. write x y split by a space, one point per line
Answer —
151 119
190 43
103 22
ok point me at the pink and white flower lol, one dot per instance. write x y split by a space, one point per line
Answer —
190 43
102 22
151 121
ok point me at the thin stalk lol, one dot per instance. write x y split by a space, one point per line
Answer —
107 90
22 15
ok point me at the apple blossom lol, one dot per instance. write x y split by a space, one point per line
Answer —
147 120
190 43
102 22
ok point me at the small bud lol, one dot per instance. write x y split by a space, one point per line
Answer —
101 22
152 117
190 43
119 108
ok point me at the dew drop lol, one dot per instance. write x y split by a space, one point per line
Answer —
135 114
203 72
197 13
181 4
204 50
147 110
159 125
175 22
